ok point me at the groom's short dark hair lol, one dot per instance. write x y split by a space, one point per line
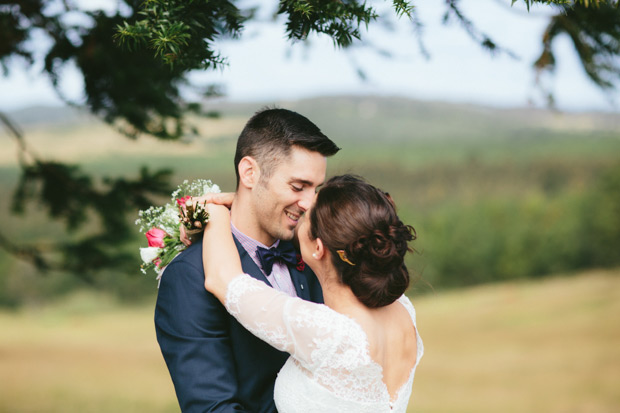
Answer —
269 135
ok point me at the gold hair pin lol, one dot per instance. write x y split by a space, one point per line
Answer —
343 257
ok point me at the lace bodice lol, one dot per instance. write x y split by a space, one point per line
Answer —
330 368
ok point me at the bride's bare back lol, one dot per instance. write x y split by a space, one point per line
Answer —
392 342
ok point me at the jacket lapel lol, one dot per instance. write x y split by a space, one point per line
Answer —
300 282
248 265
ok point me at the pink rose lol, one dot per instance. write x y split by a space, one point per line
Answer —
181 201
155 237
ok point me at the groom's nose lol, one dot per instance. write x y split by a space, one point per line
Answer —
305 202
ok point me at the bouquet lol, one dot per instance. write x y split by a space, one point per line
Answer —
161 224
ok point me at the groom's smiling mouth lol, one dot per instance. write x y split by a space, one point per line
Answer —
292 217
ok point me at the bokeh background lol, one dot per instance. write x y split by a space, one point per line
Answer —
516 207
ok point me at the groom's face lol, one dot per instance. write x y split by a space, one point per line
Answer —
281 200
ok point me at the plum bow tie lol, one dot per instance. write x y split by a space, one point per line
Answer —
283 252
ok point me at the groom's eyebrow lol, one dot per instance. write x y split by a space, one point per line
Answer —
303 181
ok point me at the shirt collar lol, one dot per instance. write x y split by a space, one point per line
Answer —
249 243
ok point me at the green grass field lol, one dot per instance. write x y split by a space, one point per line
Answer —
536 346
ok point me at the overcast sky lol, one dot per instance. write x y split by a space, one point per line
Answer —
264 67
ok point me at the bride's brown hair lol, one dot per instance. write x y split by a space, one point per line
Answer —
358 224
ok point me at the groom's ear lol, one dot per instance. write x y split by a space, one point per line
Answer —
249 172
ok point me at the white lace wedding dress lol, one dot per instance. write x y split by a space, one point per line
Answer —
330 369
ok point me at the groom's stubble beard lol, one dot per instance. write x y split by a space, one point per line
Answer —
269 213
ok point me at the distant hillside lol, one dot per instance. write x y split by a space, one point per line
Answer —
50 115
377 118
383 118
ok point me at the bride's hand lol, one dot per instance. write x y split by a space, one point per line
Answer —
224 198
218 213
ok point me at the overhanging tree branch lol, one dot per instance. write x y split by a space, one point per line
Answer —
595 35
71 196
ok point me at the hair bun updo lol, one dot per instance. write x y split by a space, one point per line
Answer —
354 216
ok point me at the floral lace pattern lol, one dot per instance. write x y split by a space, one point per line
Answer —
330 365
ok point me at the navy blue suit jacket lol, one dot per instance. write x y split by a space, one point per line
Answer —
216 365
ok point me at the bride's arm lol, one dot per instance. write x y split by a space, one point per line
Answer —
219 254
287 323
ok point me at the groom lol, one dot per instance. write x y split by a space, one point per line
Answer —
216 365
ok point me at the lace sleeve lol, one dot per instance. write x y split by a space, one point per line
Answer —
307 331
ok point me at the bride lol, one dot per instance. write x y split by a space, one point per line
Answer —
359 351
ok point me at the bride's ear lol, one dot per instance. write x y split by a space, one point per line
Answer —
319 249
249 172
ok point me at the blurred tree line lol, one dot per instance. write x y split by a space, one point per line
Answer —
135 60
496 240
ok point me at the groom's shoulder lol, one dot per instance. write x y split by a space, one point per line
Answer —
191 256
185 272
